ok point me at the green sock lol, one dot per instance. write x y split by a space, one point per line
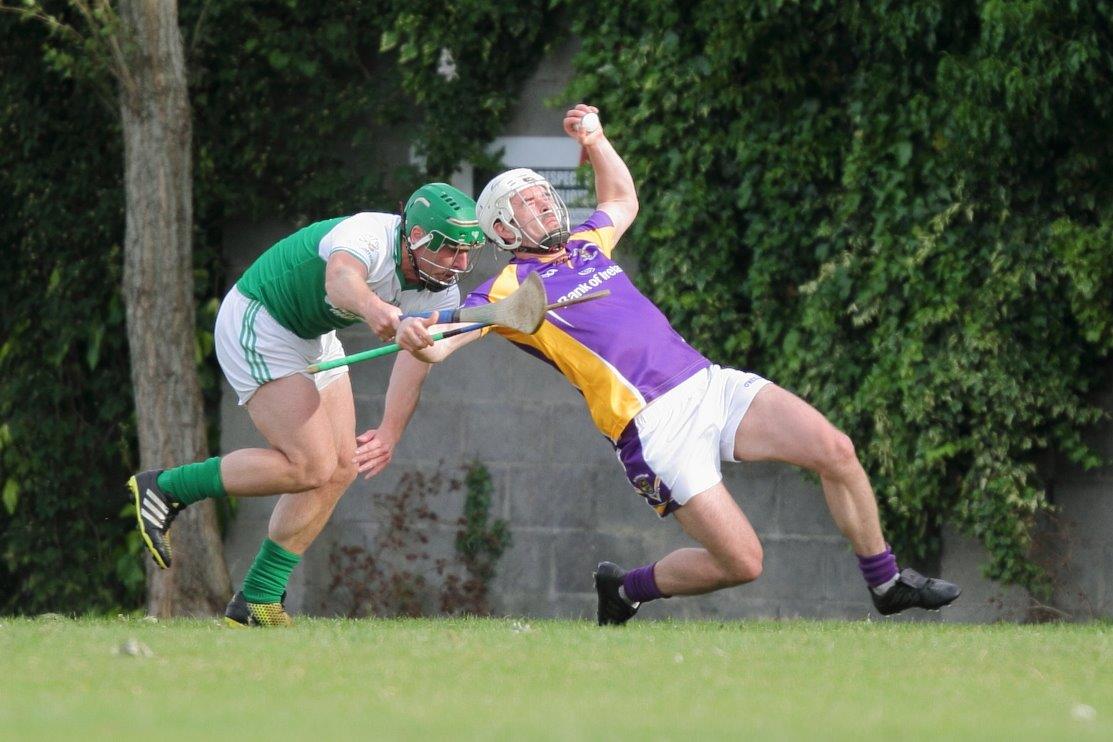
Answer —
269 573
194 482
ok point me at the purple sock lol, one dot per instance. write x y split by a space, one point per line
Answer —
640 585
879 568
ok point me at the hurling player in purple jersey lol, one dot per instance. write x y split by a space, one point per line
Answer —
671 415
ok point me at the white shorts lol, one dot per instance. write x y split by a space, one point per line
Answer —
253 348
672 450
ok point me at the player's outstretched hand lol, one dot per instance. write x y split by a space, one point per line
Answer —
413 332
374 450
582 124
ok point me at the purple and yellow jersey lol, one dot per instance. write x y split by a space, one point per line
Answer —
620 351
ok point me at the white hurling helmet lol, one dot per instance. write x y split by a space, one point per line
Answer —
541 222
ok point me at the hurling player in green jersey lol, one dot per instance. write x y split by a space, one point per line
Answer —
282 316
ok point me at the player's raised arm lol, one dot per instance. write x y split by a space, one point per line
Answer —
614 186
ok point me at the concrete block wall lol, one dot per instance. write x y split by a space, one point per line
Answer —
1080 547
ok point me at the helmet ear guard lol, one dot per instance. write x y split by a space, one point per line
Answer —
496 205
499 241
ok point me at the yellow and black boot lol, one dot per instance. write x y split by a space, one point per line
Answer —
240 613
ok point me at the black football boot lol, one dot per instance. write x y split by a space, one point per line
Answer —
913 590
614 610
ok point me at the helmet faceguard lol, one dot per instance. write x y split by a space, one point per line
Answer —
528 207
447 217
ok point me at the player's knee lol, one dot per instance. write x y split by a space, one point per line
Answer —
313 472
745 566
838 454
344 474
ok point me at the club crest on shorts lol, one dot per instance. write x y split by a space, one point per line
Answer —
649 487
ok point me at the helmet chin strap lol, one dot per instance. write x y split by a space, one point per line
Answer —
544 247
539 250
562 236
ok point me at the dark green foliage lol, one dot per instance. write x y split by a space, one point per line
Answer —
66 435
286 97
898 210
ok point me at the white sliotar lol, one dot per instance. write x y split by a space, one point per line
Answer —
589 123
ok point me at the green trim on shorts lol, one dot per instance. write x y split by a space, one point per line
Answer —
255 361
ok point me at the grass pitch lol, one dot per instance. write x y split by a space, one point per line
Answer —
507 679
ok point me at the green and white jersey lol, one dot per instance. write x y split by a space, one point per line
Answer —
289 278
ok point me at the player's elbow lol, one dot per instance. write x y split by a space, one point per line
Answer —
632 204
622 212
627 203
334 281
342 272
629 210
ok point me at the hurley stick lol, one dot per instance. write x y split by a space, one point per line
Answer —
393 348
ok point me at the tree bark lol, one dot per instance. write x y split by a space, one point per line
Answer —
158 293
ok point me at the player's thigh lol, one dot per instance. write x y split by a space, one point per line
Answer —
292 418
714 520
782 427
339 404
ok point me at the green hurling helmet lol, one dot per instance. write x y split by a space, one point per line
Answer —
447 216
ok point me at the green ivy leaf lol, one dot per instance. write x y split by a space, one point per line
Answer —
10 496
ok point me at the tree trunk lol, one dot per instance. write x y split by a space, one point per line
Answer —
158 293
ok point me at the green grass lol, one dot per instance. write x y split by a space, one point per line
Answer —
502 679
